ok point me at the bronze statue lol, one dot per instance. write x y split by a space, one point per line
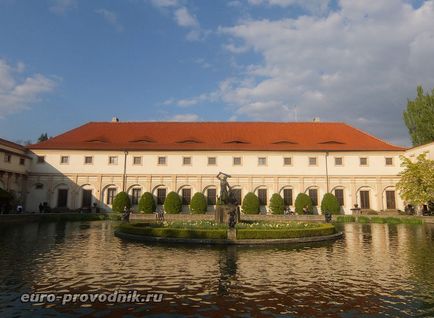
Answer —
225 189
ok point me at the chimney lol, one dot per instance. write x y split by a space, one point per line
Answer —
115 120
316 120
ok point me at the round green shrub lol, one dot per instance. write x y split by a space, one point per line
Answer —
250 203
198 203
121 201
301 201
330 204
5 197
277 205
147 203
173 203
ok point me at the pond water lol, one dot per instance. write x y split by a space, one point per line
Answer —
376 270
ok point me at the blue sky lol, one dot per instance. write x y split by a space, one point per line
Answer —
66 62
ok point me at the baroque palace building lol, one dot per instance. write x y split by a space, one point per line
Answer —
92 163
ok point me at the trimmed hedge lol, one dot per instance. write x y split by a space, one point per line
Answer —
377 219
301 201
73 217
198 203
345 219
389 220
121 201
325 229
330 204
277 205
363 219
173 203
174 232
250 203
147 203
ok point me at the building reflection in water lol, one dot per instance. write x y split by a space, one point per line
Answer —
374 270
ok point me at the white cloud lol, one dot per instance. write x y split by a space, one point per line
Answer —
18 93
61 6
111 18
363 60
313 6
165 3
185 19
184 117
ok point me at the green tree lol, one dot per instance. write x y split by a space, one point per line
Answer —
43 137
250 203
277 205
147 203
198 204
301 201
121 201
173 203
330 204
419 117
416 185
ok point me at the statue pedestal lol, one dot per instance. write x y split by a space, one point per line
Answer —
222 213
232 234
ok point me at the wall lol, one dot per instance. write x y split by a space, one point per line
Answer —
376 177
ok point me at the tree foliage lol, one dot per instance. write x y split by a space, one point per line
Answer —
43 137
301 201
147 203
419 117
416 185
330 204
198 203
173 203
277 205
121 201
250 203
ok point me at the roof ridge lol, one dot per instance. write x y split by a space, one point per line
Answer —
372 136
55 137
216 122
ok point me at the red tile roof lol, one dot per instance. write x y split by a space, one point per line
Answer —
13 145
268 136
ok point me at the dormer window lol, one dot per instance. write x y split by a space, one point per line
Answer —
331 142
237 141
189 141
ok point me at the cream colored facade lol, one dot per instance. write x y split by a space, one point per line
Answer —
416 151
67 170
14 166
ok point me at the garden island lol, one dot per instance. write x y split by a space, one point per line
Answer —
228 226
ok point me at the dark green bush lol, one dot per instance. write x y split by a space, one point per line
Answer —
174 232
121 201
330 204
173 203
5 196
301 201
277 204
250 203
198 203
147 203
325 229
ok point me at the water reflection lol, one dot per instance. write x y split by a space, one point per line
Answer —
375 270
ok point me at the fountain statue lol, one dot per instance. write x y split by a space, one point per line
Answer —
227 210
